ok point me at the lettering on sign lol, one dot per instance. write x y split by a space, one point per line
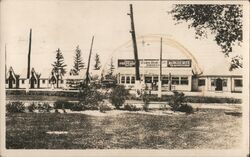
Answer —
154 63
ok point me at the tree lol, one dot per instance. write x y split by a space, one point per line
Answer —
59 65
97 64
111 67
78 62
223 21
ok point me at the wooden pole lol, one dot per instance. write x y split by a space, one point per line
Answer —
137 72
28 69
87 72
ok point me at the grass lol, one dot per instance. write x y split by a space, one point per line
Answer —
206 129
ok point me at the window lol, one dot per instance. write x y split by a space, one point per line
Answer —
224 82
155 79
43 81
238 83
22 81
201 82
184 80
61 81
132 80
123 79
164 80
175 80
212 82
148 79
128 80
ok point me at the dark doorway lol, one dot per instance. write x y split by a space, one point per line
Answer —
218 84
11 81
32 82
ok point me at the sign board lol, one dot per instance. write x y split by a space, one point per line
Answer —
155 63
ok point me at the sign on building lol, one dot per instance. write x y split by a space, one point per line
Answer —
154 63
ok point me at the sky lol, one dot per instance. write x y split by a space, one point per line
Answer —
66 24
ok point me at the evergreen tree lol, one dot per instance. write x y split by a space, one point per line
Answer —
97 65
59 65
111 67
78 61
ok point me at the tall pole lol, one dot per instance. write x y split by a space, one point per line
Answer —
87 72
137 72
28 69
160 73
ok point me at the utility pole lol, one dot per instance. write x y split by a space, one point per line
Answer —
160 73
137 72
28 68
87 72
5 57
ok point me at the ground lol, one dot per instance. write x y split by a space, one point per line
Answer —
205 129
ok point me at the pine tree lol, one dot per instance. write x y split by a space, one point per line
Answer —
78 62
97 65
111 68
59 65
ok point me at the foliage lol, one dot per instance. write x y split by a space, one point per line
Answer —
236 62
111 70
89 97
59 65
44 107
97 64
146 100
130 107
78 62
104 107
118 96
60 104
31 107
224 21
178 103
15 107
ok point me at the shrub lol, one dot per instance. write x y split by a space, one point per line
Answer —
77 107
118 96
60 104
186 108
31 107
45 107
15 107
146 100
130 107
178 103
104 107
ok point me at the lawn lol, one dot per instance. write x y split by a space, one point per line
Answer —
206 129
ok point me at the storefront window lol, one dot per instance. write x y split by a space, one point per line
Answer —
164 80
123 79
201 82
212 82
224 82
238 83
132 80
184 80
148 79
175 80
128 80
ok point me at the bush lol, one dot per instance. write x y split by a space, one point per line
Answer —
118 96
15 107
45 107
77 107
186 108
104 107
130 107
60 104
178 103
146 100
31 107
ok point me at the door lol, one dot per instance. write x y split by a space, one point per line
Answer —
218 84
32 82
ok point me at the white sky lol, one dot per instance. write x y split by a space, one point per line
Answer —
66 24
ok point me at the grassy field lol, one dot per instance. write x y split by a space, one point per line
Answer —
206 129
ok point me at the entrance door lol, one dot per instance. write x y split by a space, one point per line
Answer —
10 83
32 82
218 84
